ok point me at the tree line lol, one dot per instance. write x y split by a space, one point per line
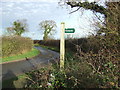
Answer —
47 27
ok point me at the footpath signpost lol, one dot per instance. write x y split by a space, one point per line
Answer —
62 47
62 43
69 30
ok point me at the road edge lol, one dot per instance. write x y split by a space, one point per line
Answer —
20 60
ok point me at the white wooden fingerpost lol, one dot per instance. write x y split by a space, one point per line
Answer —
62 46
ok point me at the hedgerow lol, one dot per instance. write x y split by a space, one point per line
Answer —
93 64
13 45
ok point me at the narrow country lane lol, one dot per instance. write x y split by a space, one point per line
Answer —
16 68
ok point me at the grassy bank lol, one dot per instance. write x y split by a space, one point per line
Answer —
32 53
49 47
15 82
19 81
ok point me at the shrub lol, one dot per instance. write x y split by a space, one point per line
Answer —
80 72
13 45
94 65
86 44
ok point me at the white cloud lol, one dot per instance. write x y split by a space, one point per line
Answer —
31 1
0 9
26 8
10 5
19 8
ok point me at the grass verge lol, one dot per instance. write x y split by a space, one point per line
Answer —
49 47
15 82
32 53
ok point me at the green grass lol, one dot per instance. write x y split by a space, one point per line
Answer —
49 47
32 53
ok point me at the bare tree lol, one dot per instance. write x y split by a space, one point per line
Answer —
48 27
18 28
111 13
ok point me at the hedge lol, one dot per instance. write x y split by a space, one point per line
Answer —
85 44
14 45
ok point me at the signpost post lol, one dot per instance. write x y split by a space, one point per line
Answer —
62 43
62 47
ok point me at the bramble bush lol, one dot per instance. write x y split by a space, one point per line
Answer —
93 64
89 71
13 45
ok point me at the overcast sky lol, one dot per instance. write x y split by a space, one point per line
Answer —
36 11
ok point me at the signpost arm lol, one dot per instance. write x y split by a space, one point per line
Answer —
62 46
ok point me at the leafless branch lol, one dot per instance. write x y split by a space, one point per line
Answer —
74 11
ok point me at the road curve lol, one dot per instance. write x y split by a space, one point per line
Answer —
16 68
